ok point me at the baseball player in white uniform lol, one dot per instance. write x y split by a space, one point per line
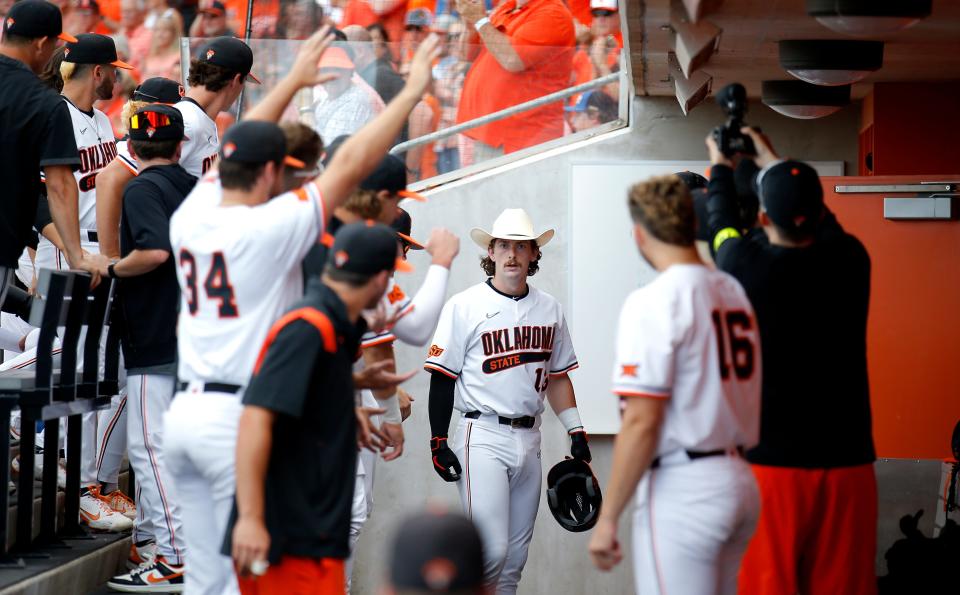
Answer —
226 243
89 71
687 371
502 346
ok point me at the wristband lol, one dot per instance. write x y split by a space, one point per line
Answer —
110 272
570 418
481 23
392 405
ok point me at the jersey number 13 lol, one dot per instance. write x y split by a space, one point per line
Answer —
216 286
740 350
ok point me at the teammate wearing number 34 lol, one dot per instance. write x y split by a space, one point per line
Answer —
501 346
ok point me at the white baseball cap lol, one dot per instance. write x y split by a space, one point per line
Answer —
604 5
512 224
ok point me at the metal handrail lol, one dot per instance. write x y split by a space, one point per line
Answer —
505 113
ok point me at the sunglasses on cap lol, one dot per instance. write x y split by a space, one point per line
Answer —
149 120
602 12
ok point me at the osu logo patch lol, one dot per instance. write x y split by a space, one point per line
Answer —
10 23
151 131
211 54
629 370
66 52
435 351
396 294
439 573
228 149
341 258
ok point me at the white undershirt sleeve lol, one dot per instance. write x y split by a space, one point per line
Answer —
416 327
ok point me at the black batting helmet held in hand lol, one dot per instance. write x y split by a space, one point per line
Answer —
573 495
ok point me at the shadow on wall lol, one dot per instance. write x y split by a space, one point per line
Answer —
917 563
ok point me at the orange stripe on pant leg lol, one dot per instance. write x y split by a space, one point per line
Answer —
109 432
167 516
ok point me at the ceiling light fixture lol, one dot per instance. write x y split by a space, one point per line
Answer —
798 99
868 18
831 62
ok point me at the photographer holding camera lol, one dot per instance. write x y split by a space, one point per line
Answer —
809 283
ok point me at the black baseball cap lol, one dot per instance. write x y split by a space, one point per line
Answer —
34 19
256 142
366 248
231 53
156 122
158 90
437 552
692 180
216 8
93 48
791 194
402 225
390 175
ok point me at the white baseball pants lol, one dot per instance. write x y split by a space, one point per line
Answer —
691 526
158 515
500 491
200 441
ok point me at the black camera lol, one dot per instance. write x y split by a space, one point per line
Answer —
732 99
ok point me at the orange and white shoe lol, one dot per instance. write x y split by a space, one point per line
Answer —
159 577
98 515
120 502
141 555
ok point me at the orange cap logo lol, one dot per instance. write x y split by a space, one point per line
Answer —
439 573
151 131
10 22
341 258
66 52
228 149
629 370
211 54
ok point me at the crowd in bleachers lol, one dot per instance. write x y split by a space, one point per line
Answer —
558 43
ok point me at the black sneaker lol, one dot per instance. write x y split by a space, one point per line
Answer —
159 577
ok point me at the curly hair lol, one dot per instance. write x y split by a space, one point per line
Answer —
364 203
129 108
664 207
303 142
489 267
211 76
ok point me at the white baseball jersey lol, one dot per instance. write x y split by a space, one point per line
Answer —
123 154
394 301
501 350
199 154
691 337
97 148
238 269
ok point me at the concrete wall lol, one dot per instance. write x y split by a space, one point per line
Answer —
558 560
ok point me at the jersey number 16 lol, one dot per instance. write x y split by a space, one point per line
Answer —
726 325
217 284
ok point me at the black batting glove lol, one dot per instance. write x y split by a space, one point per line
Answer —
579 447
445 463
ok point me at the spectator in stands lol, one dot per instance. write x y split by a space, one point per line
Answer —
84 18
156 9
607 41
436 552
448 77
164 57
299 19
523 51
378 74
211 21
593 109
381 43
416 27
389 13
136 36
342 106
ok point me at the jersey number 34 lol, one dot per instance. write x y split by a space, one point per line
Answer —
217 284
726 325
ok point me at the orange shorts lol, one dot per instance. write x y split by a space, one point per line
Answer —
298 576
817 533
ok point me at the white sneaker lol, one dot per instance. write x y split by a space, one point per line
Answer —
38 468
158 577
142 555
98 515
120 502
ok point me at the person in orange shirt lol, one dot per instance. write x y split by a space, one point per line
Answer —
607 41
85 18
523 50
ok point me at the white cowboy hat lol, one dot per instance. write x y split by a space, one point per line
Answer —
512 224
